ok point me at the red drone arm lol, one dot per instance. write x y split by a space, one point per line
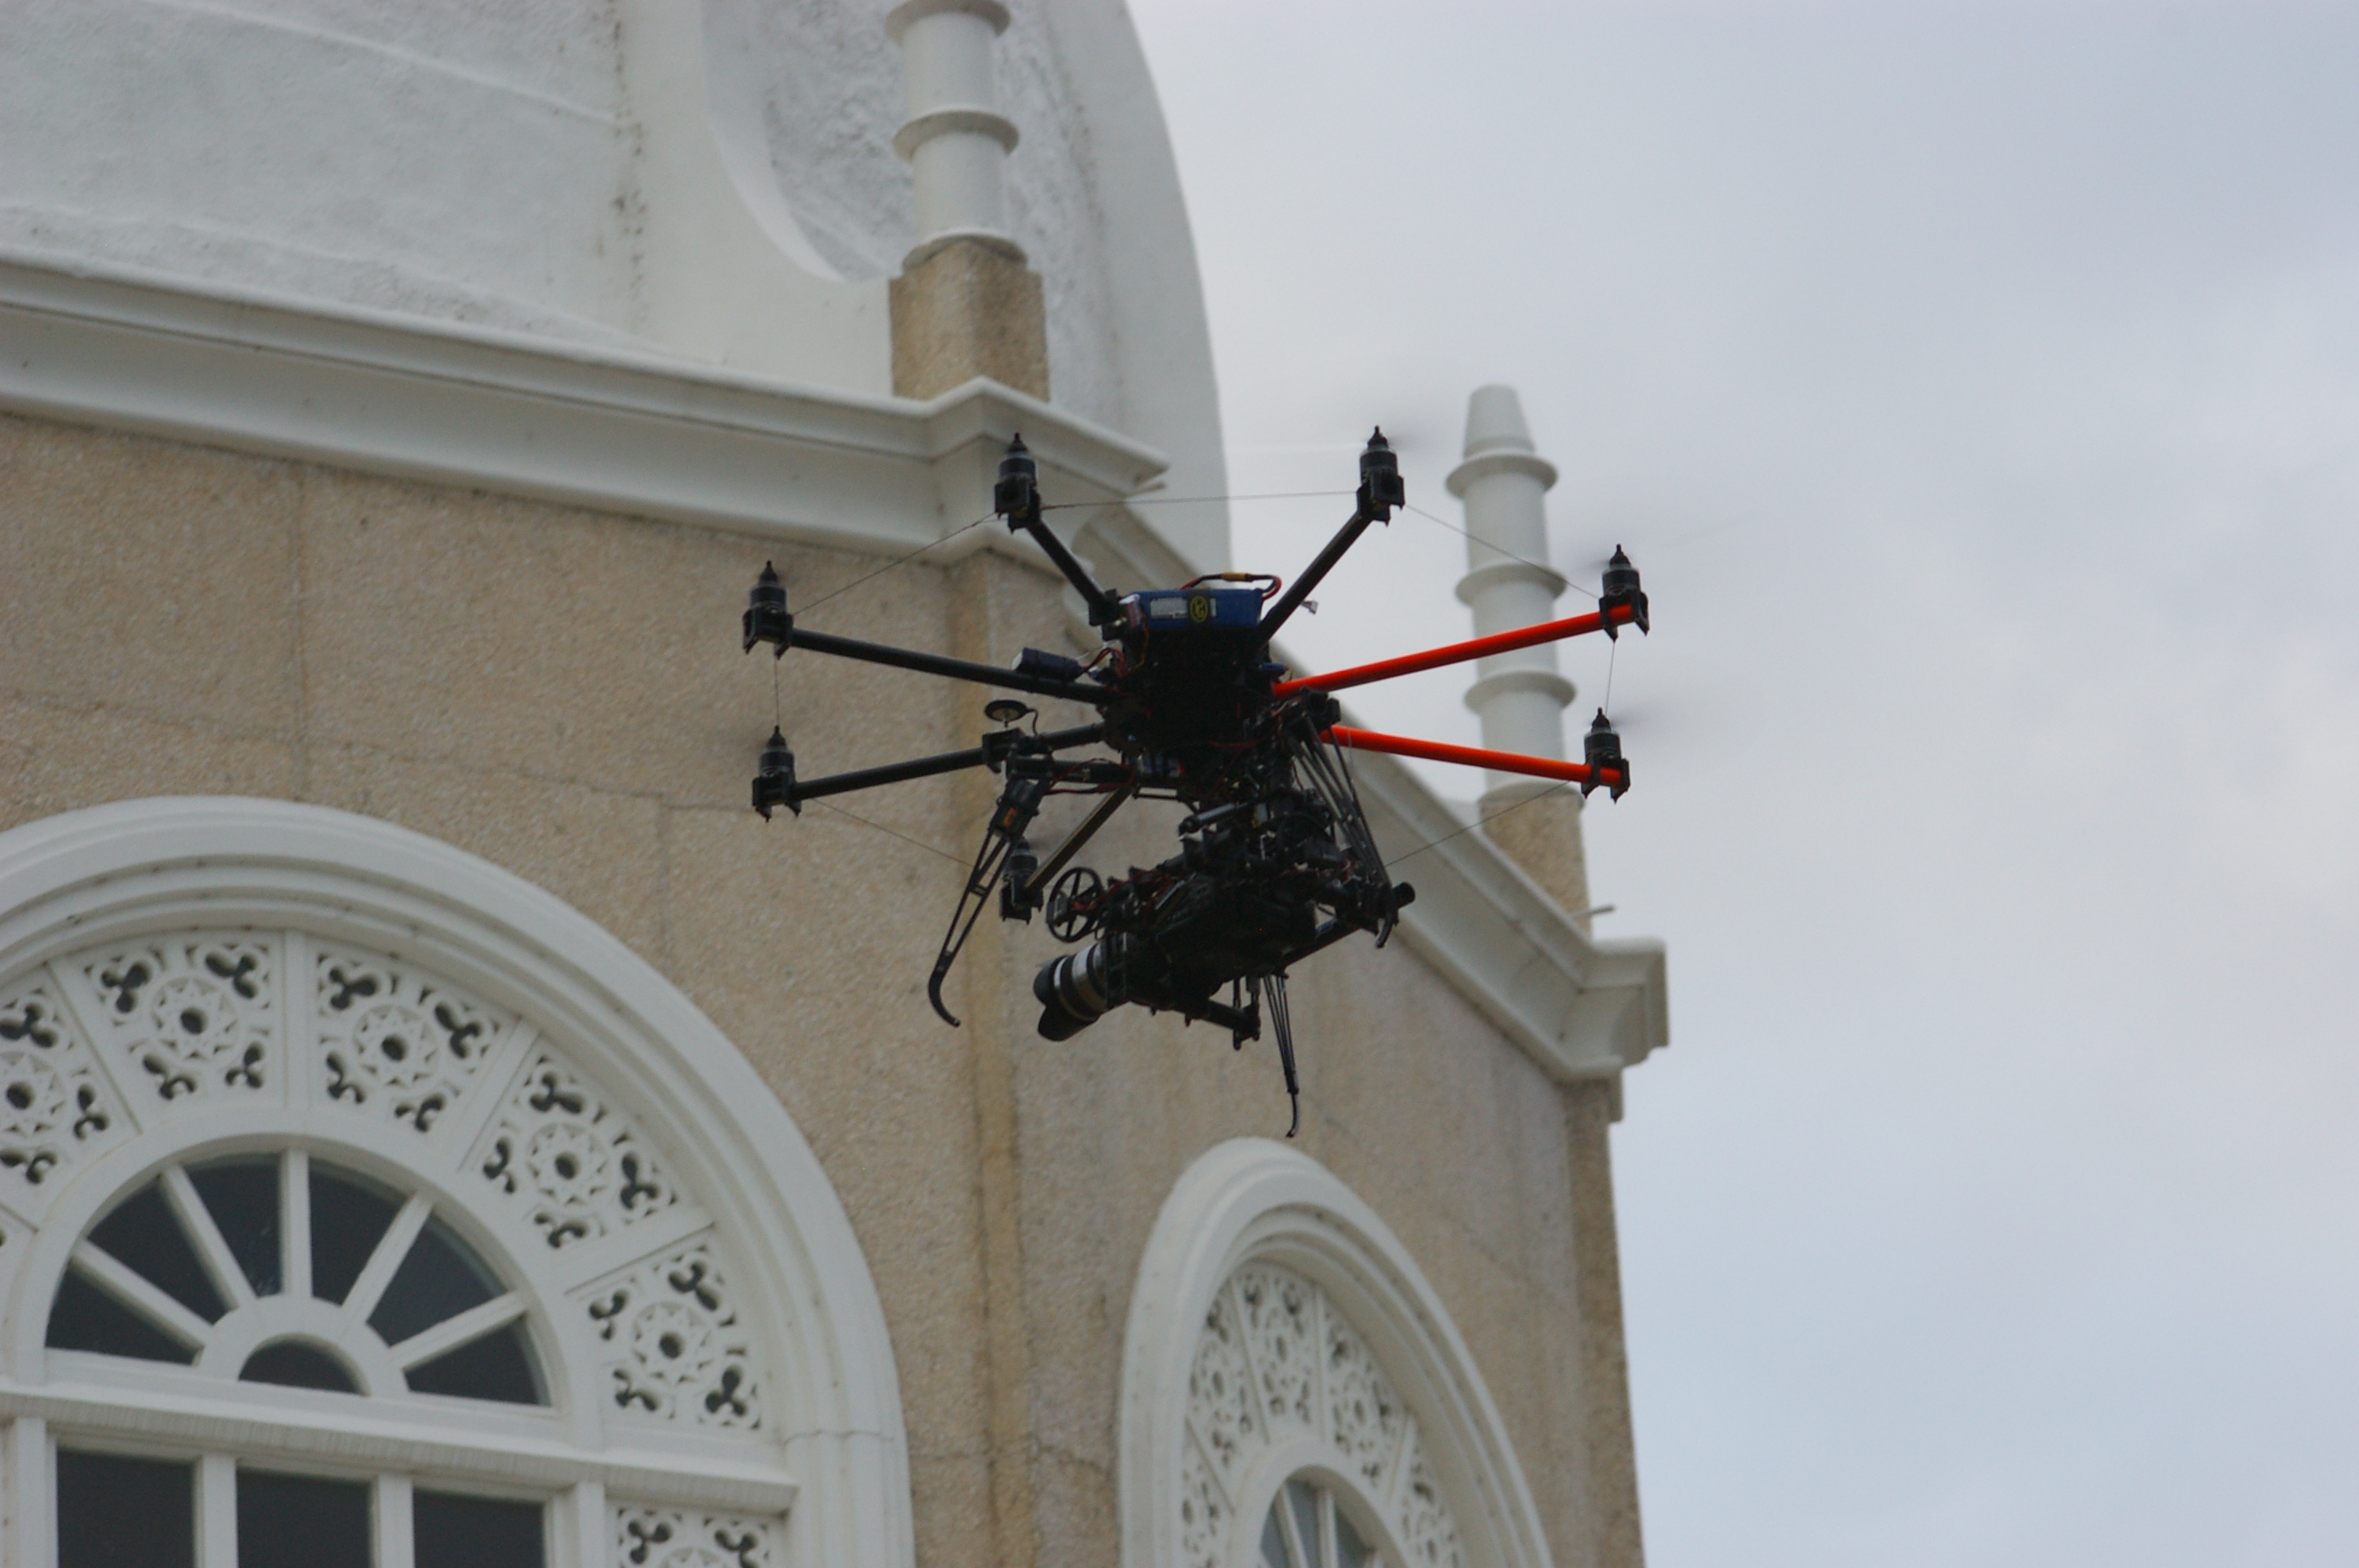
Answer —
1476 757
1458 653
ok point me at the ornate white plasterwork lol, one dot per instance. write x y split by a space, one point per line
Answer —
1279 1369
181 978
1278 1327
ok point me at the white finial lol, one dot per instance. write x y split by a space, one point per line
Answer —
1494 421
955 140
1520 696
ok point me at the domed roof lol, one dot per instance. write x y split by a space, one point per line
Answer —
714 183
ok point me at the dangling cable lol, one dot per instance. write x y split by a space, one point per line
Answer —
1272 988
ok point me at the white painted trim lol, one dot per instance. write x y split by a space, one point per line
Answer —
1250 1199
1582 1009
587 425
834 1404
28 1532
396 1544
338 1438
217 1512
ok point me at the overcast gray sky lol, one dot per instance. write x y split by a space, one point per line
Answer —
1978 386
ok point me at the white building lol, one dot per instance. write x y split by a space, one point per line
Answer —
440 1125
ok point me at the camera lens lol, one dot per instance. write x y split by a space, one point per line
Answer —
1072 992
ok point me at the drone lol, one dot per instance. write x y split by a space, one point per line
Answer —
1274 860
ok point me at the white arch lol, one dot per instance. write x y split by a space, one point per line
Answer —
1251 1200
146 866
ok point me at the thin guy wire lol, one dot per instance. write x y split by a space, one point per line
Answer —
1479 822
954 860
900 561
1494 549
1190 500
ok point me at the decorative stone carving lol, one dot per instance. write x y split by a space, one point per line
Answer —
576 1164
1366 1419
1221 1389
1424 1519
1280 1310
679 1352
394 1042
1203 1512
1277 1360
53 1102
664 1538
193 1015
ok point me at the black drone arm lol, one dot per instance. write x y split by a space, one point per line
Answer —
1017 497
1380 492
938 665
989 754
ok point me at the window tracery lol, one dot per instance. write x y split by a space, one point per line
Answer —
1278 1367
284 1265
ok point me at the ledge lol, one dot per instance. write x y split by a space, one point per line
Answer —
369 1437
586 426
1582 1009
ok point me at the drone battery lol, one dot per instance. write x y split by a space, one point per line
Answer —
1194 608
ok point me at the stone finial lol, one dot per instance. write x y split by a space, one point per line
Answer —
965 305
1520 696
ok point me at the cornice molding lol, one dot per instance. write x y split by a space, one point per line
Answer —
1582 1009
585 425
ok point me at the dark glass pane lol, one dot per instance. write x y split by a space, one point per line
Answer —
349 1218
497 1367
144 1234
299 1521
86 1318
126 1513
475 1533
441 1279
292 1364
242 1197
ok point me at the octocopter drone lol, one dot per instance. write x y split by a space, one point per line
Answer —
1276 859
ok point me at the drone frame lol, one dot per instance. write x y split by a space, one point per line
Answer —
1034 767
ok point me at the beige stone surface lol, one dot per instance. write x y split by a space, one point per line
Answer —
561 692
964 312
1542 834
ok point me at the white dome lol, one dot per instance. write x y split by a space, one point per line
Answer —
714 183
442 157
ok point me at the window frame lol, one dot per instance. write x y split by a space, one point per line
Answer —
830 1396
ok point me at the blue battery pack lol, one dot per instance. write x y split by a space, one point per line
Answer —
1195 608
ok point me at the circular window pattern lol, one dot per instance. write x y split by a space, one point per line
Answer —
280 1269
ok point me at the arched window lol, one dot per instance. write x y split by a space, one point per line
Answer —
1294 1395
346 1219
1297 1438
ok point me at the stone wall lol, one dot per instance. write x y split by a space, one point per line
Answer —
561 692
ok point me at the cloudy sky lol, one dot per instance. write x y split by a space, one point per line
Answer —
1978 386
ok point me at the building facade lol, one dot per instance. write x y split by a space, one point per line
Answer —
440 1124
